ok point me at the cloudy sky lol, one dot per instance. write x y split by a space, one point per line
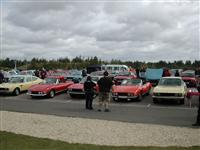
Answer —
148 30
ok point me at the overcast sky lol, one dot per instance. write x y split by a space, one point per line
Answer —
131 30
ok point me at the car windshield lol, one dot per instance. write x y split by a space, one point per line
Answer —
128 82
16 79
95 79
188 74
50 80
169 82
124 73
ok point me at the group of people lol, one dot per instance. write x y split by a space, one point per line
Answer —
105 84
41 73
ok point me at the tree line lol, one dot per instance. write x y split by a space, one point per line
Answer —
80 62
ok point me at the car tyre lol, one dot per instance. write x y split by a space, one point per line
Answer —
51 93
72 95
155 101
16 91
182 101
139 98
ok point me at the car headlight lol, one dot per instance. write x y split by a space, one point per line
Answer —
156 94
114 94
130 94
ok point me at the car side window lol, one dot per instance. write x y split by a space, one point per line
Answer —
28 79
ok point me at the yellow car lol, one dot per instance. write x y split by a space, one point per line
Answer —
170 88
19 83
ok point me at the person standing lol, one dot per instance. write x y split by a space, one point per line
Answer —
177 73
1 77
89 92
105 84
197 123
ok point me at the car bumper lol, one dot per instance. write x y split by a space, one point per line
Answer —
168 97
76 93
39 94
124 97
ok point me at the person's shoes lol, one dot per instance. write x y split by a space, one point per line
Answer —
196 124
107 110
99 110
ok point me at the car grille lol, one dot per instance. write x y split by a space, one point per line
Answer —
3 89
34 92
167 94
122 94
77 90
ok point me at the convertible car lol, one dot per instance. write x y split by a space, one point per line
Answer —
131 89
19 83
170 88
50 86
77 89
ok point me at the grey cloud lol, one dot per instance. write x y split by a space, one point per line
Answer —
114 30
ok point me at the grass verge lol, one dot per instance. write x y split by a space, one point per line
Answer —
11 141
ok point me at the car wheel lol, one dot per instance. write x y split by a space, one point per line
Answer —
51 94
72 95
139 98
155 101
182 101
16 91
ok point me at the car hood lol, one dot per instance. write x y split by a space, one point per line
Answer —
9 85
76 86
40 87
168 89
123 89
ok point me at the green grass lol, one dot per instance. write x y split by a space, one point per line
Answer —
10 141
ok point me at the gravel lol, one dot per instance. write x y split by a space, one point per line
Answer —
99 132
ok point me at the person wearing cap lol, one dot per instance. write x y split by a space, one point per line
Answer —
105 84
89 92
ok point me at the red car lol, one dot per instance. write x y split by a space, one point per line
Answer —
123 75
130 89
51 86
77 89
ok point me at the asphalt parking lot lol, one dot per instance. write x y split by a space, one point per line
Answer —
145 111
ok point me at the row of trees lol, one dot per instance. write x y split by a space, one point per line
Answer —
80 63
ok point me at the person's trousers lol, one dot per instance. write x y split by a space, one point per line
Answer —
89 100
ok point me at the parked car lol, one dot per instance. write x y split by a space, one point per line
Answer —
123 75
131 89
170 88
50 86
19 83
74 75
77 89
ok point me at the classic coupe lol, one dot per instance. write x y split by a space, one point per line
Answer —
170 88
131 89
19 83
50 86
123 75
77 89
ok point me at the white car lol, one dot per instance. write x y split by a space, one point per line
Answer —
170 88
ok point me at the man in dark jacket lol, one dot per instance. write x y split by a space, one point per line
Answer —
105 84
89 92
